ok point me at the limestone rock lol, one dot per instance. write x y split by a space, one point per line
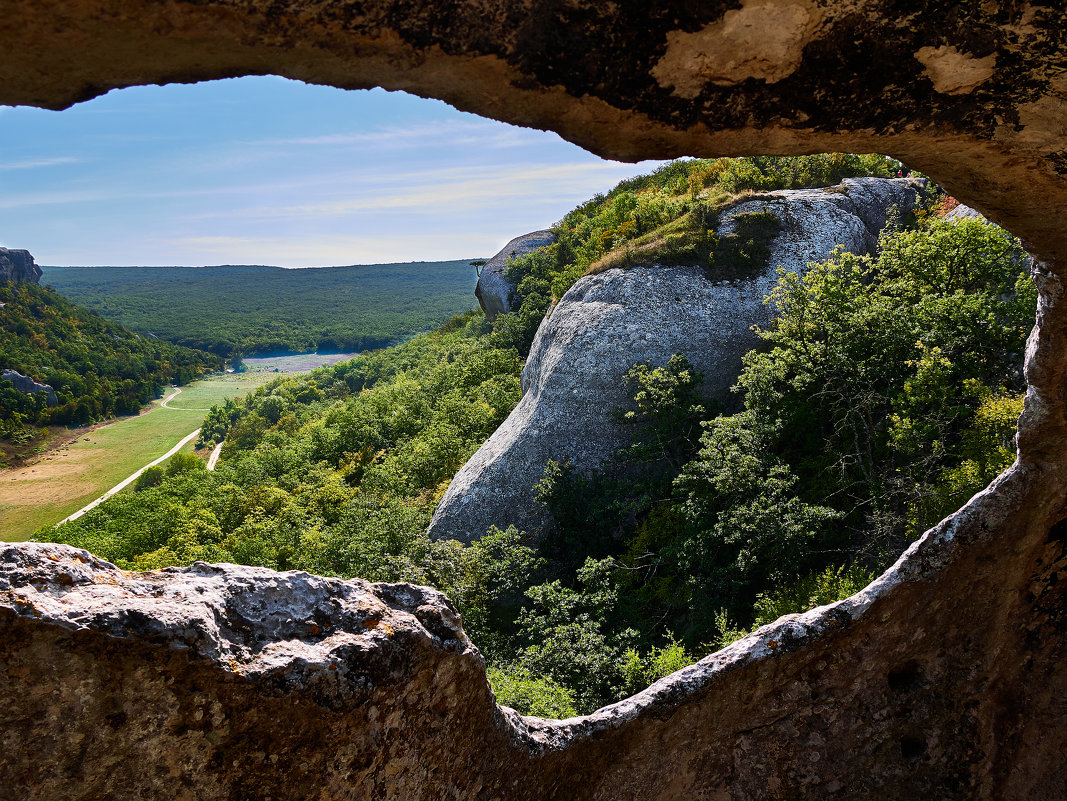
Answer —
243 666
608 322
493 290
975 100
962 212
216 682
18 265
26 385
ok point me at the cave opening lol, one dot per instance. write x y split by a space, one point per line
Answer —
804 707
615 531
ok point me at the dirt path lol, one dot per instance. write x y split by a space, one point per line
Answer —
126 482
177 392
214 458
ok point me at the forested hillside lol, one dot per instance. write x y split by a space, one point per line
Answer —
230 310
885 394
97 368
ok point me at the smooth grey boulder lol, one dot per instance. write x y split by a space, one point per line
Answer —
608 322
493 290
18 265
26 385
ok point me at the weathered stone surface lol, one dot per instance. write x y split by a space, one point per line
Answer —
972 94
493 290
228 682
608 322
26 384
18 265
945 679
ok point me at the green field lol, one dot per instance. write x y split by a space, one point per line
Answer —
67 478
241 309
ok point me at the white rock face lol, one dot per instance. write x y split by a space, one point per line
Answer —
28 386
962 212
608 322
493 289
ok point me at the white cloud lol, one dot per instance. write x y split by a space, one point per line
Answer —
29 164
443 192
441 133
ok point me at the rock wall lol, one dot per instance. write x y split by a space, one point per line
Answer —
610 321
493 290
26 385
944 679
18 265
973 95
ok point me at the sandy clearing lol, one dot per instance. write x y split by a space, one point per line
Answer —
42 481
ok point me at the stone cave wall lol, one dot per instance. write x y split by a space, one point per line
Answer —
945 678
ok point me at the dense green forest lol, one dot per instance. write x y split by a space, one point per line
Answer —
232 310
97 368
885 395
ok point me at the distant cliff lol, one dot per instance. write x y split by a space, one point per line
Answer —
494 291
26 385
18 265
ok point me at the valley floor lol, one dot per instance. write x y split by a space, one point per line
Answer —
77 471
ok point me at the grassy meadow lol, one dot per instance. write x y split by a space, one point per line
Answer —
71 475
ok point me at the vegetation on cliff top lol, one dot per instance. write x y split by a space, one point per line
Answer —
886 393
670 217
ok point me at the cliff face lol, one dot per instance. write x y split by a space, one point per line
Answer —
943 679
494 291
18 265
610 321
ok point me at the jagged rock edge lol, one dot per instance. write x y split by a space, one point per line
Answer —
922 561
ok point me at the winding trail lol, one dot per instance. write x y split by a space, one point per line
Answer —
126 482
214 458
177 392
130 479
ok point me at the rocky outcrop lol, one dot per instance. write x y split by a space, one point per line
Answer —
26 385
974 99
610 321
18 265
945 678
494 291
291 685
962 212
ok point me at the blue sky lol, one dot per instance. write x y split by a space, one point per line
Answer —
273 171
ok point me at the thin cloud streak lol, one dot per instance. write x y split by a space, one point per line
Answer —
363 181
459 189
31 164
441 133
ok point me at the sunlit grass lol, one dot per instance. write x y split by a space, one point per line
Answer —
65 479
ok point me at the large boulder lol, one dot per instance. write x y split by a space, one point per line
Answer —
281 676
28 386
18 265
609 321
494 291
